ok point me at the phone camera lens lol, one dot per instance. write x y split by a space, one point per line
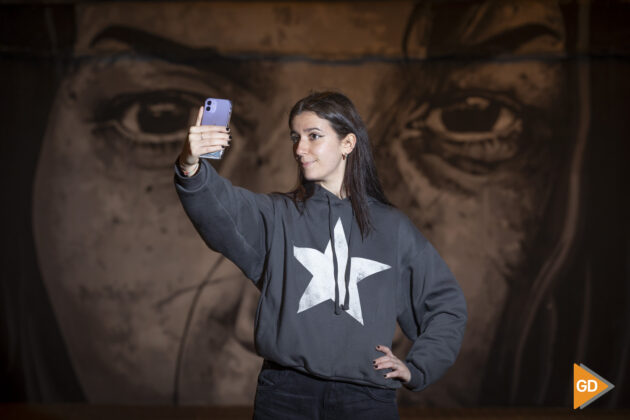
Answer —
209 103
207 108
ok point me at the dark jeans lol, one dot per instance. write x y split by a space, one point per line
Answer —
288 394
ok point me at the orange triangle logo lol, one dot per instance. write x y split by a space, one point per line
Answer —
587 386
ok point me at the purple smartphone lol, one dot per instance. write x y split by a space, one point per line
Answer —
216 112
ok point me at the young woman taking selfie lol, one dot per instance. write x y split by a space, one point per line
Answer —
337 266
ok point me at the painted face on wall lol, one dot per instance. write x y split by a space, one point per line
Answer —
467 149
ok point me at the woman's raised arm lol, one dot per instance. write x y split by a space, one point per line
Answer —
231 220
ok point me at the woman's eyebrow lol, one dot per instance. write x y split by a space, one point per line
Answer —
306 130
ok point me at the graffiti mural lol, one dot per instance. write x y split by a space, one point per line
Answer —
485 131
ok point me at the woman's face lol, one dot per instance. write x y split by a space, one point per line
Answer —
318 150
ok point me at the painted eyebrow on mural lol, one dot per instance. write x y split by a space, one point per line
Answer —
148 43
512 38
501 41
486 39
237 71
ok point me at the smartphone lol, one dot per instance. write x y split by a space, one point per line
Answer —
216 112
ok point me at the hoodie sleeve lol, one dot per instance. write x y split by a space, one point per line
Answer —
231 220
432 309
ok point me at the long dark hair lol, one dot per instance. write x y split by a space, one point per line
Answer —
360 179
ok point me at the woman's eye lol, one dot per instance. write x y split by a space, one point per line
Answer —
314 136
472 132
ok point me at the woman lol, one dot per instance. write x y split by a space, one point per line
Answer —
330 296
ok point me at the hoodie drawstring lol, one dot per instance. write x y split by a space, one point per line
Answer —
331 232
346 301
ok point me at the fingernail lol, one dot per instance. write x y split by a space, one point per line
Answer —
373 362
384 376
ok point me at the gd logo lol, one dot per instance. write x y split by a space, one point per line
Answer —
587 386
583 387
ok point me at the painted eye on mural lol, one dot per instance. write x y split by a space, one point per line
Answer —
472 132
151 117
150 126
472 119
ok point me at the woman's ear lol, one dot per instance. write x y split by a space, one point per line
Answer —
348 143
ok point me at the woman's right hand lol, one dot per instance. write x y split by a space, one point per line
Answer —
203 139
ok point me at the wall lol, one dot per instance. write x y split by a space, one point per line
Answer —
498 127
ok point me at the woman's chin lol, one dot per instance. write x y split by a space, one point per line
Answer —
310 176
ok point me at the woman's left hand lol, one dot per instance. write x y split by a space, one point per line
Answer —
399 368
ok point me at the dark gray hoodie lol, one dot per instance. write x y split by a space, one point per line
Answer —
328 297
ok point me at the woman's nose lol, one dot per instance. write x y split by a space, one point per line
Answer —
301 147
